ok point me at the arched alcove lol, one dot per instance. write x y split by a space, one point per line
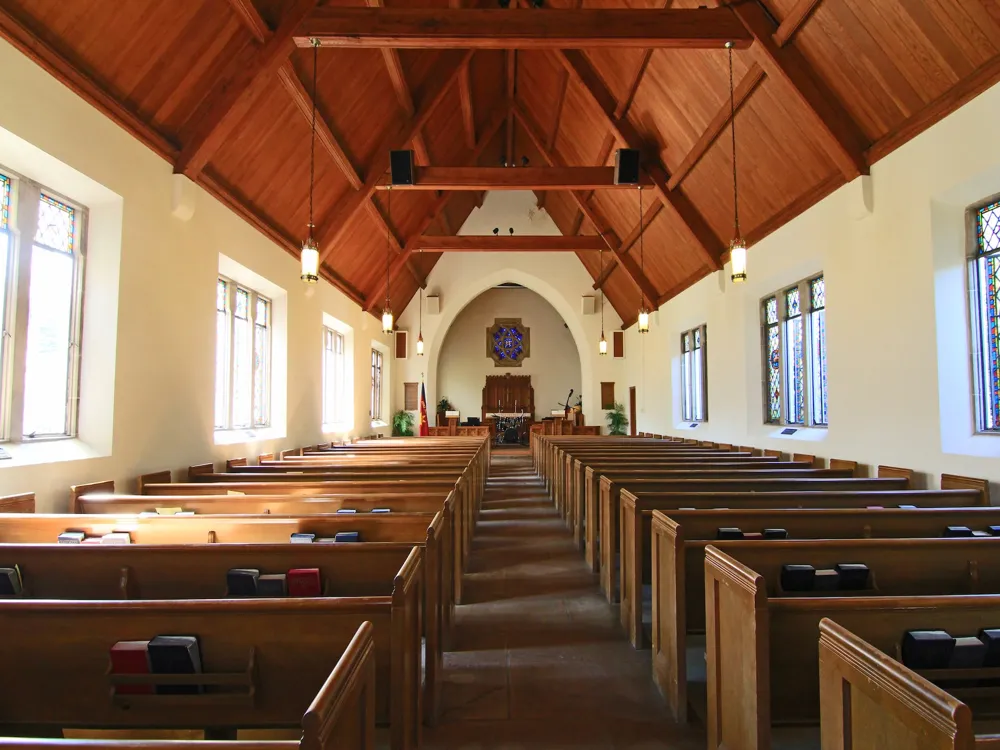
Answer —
552 361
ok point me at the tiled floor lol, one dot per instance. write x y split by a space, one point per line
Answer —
540 660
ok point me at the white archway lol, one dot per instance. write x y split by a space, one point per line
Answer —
530 281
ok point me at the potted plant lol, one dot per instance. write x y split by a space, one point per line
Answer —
402 424
617 421
443 406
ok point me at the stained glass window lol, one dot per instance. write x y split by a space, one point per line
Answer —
243 357
4 202
795 381
56 224
985 280
817 352
376 394
507 342
772 360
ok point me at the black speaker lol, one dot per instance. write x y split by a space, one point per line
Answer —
627 166
401 167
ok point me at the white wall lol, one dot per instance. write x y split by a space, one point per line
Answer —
159 349
897 317
559 278
553 362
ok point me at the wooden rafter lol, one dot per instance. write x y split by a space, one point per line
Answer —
797 16
706 242
600 223
213 122
510 81
576 28
443 74
602 158
522 178
510 244
843 138
485 138
402 89
252 19
632 237
465 97
747 85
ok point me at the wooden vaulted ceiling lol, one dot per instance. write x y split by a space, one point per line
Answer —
218 88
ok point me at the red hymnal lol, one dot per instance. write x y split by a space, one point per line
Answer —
131 657
304 582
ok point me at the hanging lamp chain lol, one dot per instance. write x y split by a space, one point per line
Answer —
732 127
642 255
388 245
312 145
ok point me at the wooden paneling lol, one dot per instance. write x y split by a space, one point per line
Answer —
607 395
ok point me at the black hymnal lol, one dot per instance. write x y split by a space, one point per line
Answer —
853 576
10 581
175 654
958 531
776 533
991 637
242 581
927 649
729 533
797 577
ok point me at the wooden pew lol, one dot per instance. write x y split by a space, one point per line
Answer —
678 555
762 657
279 651
390 535
752 483
23 503
340 717
866 696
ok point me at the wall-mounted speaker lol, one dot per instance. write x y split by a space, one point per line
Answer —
627 166
587 306
401 167
433 304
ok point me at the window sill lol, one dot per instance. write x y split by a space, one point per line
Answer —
48 452
378 423
692 425
232 437
808 434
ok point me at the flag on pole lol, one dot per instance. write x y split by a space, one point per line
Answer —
424 428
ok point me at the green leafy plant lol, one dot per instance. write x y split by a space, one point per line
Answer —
617 421
445 405
402 424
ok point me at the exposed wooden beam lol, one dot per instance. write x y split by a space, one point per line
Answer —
602 158
384 229
706 242
402 89
510 244
442 75
519 178
84 83
214 121
601 224
324 135
797 16
747 85
252 19
845 141
485 138
578 28
465 97
510 79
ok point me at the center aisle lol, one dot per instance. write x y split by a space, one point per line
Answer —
539 659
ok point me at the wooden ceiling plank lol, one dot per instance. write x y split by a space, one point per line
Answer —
510 244
747 85
844 138
574 28
796 17
510 80
521 178
443 74
465 97
485 138
601 224
602 158
84 83
383 226
324 135
215 121
706 243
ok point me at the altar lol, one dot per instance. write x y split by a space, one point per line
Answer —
508 407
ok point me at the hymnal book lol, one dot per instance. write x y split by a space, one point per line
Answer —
272 584
300 537
116 537
10 581
242 581
92 540
380 510
346 510
304 582
234 492
167 511
175 654
325 540
347 536
185 513
131 657
72 537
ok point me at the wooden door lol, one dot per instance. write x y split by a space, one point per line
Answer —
631 411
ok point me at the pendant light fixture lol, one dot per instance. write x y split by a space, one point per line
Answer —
387 312
310 253
420 314
602 346
738 247
643 312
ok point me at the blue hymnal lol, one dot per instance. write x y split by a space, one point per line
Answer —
346 510
303 538
380 510
347 536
